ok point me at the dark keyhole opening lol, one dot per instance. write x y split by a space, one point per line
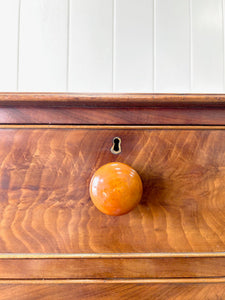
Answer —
116 147
116 144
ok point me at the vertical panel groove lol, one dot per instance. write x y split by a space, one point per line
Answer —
68 45
91 45
154 46
190 47
9 19
18 47
134 46
207 46
172 46
222 3
113 43
43 45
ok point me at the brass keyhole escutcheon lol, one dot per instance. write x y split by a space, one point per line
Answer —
116 147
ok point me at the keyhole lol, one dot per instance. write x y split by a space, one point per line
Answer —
116 147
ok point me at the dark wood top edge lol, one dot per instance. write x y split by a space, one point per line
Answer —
111 100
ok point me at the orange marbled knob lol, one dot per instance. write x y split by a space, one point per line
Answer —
116 188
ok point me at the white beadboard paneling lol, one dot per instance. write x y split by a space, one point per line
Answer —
9 17
133 48
207 46
172 46
43 45
90 51
112 45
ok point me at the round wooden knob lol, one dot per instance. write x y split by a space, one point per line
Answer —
115 188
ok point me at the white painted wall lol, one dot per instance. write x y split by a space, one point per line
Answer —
112 46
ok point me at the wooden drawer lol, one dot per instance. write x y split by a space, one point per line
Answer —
49 228
45 205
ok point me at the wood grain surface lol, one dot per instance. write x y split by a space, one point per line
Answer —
130 109
112 268
115 291
111 100
54 244
116 115
45 205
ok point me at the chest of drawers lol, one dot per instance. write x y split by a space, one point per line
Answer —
54 243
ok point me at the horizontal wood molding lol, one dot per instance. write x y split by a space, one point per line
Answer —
110 116
112 100
112 268
109 255
111 282
112 127
120 109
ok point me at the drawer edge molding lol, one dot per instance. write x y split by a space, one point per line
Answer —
114 281
109 255
112 268
111 100
114 127
124 109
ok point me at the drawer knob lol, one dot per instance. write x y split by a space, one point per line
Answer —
115 188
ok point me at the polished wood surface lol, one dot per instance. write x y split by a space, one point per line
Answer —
102 268
54 244
111 100
45 205
115 291
85 115
130 109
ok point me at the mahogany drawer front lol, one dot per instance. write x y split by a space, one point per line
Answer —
45 205
54 243
105 290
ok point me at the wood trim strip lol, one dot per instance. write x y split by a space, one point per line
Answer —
109 255
113 281
111 116
123 268
111 100
123 109
109 127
